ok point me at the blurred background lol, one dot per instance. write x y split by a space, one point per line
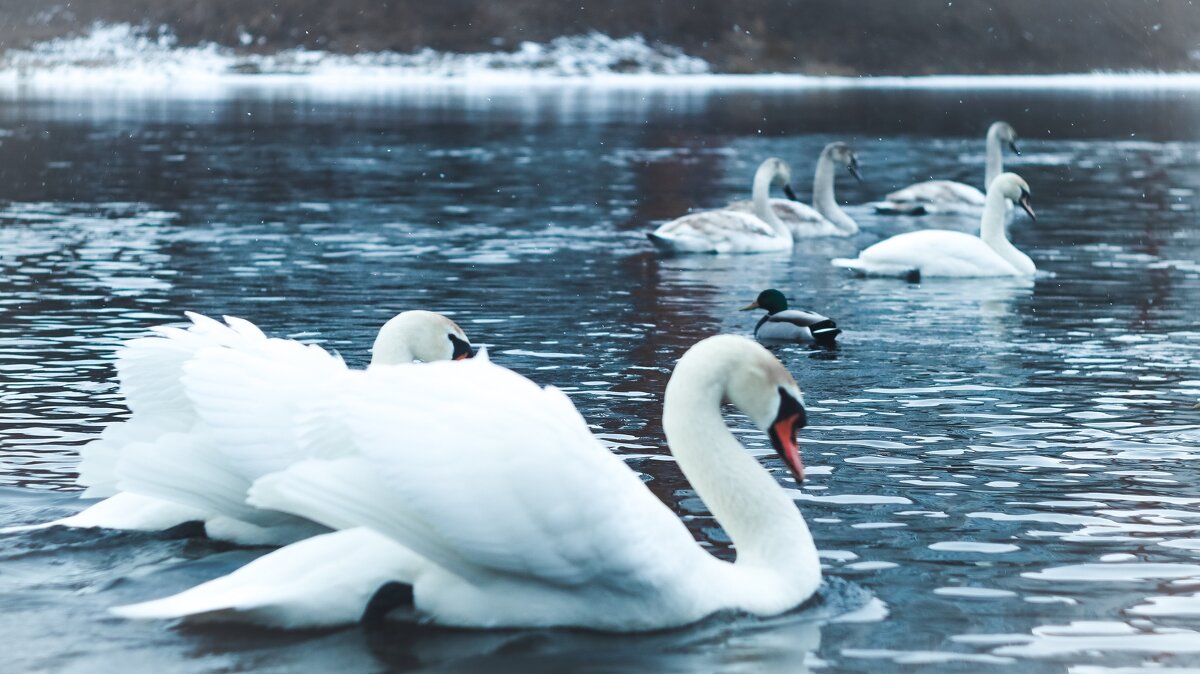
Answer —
862 37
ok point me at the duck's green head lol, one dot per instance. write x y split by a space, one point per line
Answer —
772 300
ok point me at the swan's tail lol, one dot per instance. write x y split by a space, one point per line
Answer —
131 512
324 581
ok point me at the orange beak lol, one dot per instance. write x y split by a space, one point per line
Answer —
783 437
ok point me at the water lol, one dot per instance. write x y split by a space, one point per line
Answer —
1003 473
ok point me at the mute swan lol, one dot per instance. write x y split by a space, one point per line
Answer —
542 526
790 325
160 467
940 252
825 217
947 196
730 231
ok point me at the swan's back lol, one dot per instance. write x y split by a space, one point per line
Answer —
802 219
940 192
930 252
525 517
718 231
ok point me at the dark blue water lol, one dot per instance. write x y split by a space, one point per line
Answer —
1003 474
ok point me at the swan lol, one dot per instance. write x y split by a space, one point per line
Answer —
790 325
731 231
518 517
948 196
825 217
166 465
940 252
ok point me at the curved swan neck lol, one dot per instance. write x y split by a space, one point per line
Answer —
995 156
994 232
824 200
763 523
761 197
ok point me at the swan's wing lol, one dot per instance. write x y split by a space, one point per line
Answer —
714 231
939 192
150 374
258 403
323 581
482 472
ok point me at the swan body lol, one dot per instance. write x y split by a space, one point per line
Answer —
947 196
938 252
518 517
825 217
183 454
781 324
733 231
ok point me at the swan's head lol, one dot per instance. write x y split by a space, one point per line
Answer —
772 300
842 153
781 175
420 335
1014 188
1004 132
743 373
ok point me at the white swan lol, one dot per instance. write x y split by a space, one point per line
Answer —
519 517
730 231
948 196
781 324
173 461
825 217
940 252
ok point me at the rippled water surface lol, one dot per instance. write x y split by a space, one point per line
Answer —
1003 473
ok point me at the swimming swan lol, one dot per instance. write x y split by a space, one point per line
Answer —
781 324
948 196
730 231
166 464
519 517
825 217
940 252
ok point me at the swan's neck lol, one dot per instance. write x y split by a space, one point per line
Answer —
762 202
993 231
824 200
995 158
766 528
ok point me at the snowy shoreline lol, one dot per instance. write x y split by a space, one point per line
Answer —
122 59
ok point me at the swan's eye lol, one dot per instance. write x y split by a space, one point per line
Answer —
790 407
782 432
462 348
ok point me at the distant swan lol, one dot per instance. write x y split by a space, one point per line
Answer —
947 196
166 464
731 231
518 517
825 217
940 252
790 325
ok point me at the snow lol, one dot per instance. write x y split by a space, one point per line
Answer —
126 59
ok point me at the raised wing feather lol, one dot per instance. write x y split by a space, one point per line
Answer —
487 473
150 374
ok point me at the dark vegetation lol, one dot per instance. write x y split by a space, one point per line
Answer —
873 37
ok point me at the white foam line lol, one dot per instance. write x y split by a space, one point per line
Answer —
124 60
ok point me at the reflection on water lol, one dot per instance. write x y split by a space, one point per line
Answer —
1002 473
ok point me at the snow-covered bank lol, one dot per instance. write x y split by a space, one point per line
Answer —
123 59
